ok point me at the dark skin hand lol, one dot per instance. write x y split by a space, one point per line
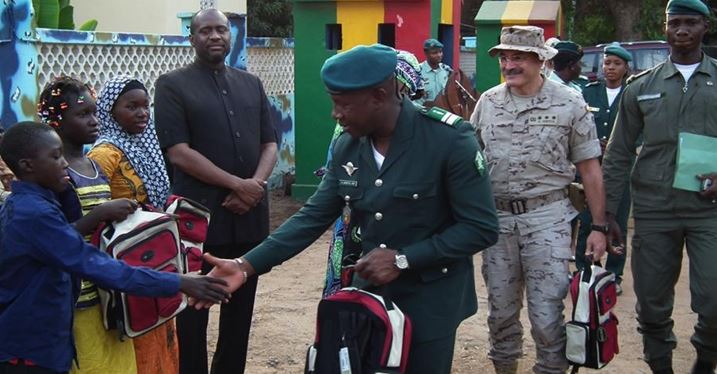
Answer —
201 287
614 236
710 193
114 210
378 266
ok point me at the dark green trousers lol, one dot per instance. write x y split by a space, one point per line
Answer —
432 357
657 249
615 263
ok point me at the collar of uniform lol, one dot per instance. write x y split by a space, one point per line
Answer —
705 67
202 66
542 100
21 187
404 125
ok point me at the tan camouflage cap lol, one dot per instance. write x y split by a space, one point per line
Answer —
525 39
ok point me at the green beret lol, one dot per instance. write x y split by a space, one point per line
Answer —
360 67
687 7
432 43
569 48
615 49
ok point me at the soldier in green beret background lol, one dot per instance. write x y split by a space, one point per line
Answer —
433 71
566 64
603 98
676 96
422 215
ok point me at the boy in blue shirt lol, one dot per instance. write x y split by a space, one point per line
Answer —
43 257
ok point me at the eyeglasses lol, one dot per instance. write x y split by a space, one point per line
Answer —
516 59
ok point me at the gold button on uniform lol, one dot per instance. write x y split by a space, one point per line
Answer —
378 183
378 216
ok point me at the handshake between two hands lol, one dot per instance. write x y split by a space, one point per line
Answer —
217 286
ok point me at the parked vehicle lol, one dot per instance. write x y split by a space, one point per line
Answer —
645 55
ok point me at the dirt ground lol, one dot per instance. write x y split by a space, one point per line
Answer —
285 312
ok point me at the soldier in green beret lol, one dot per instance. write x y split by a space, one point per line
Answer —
603 98
433 71
658 104
422 215
566 64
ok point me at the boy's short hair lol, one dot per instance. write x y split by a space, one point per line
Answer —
22 141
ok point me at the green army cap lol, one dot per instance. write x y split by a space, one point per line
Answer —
432 43
569 48
616 49
360 67
687 7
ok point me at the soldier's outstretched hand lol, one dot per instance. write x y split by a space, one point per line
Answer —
229 271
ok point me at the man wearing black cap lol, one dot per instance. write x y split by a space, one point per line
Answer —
566 64
434 72
662 104
422 215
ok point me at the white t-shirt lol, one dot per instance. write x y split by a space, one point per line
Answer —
612 94
377 156
687 70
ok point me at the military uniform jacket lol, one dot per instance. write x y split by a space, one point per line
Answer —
659 105
429 200
531 145
595 95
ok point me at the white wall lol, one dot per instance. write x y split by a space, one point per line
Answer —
143 16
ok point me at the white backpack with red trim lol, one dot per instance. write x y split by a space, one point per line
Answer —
592 332
193 223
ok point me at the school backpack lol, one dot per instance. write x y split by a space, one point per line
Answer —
147 239
358 332
592 331
193 223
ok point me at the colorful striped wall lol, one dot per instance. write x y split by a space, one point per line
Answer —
414 20
494 15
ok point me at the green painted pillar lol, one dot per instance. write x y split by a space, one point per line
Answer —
488 25
313 123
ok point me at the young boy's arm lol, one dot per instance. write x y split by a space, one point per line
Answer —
57 243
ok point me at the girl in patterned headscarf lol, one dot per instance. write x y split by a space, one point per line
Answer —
128 149
128 153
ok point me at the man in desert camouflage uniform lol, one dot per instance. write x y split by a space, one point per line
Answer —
535 132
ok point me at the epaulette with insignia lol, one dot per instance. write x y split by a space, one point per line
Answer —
441 115
633 77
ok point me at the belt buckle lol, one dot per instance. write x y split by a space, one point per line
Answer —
518 207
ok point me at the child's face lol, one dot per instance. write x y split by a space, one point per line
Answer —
48 168
79 122
131 111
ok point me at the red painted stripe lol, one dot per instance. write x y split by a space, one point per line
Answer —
412 22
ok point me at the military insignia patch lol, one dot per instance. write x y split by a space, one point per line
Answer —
442 115
350 168
479 162
348 183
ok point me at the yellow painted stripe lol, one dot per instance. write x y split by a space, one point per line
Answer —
447 11
359 22
517 13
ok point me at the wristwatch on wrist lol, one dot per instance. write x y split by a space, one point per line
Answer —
401 261
602 228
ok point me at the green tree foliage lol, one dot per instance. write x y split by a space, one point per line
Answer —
271 18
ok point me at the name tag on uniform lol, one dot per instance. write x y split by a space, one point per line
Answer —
593 109
545 120
348 183
647 97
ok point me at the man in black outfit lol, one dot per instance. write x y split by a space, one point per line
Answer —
213 122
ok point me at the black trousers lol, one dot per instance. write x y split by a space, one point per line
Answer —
234 325
7 368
